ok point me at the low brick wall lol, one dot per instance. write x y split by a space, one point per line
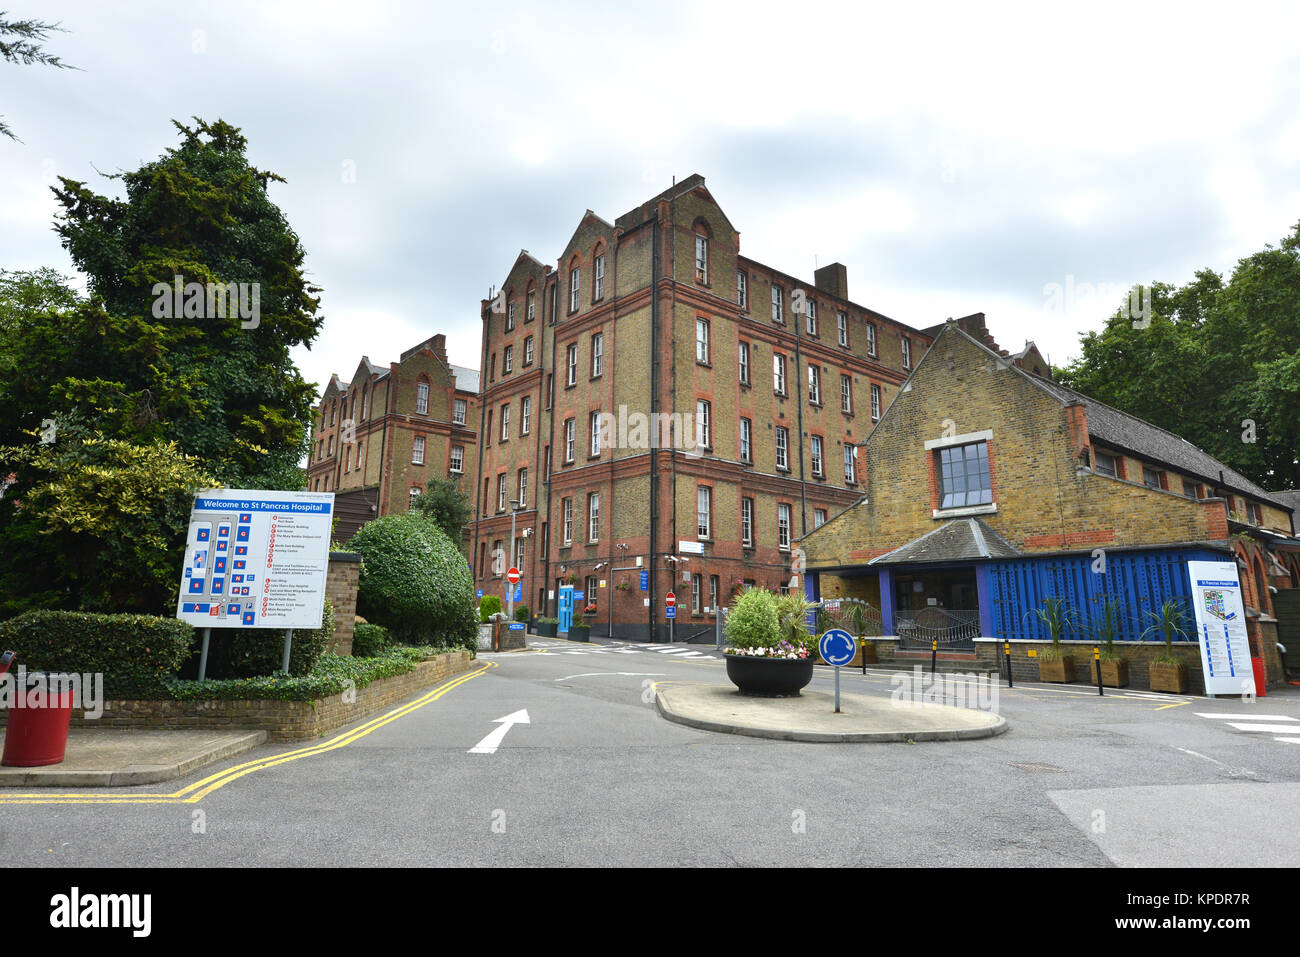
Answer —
1138 654
281 720
341 588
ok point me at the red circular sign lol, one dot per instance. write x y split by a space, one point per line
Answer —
670 599
513 576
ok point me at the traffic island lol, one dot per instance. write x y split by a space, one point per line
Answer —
811 716
110 757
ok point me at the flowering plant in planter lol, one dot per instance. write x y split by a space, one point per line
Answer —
589 611
761 625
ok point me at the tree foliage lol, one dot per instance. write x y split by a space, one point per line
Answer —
448 506
21 42
1219 364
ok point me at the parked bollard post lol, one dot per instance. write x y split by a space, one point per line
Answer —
1007 648
1096 658
934 654
863 641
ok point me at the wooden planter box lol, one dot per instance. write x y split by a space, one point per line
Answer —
1167 677
1114 673
1057 670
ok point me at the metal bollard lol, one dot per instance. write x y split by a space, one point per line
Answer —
1096 658
1007 648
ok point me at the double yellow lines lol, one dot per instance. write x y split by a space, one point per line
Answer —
200 789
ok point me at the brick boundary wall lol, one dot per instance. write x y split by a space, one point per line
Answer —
281 720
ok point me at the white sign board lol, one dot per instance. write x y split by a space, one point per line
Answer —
1221 628
690 548
256 559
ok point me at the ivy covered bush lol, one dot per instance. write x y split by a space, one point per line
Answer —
415 582
369 640
248 653
136 654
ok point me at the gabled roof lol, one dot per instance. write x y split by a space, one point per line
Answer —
962 539
466 379
1112 427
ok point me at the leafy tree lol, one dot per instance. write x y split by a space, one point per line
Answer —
448 506
1218 364
23 46
222 387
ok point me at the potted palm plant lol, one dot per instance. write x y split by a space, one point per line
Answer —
1054 664
1168 671
1114 666
769 651
858 619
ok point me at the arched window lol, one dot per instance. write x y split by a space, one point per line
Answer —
365 402
598 273
1261 587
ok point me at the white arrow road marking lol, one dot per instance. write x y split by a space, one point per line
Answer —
625 674
493 741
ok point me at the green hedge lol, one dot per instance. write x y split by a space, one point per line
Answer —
253 652
488 606
136 654
369 641
330 676
522 613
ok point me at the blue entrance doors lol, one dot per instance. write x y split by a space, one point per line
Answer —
566 609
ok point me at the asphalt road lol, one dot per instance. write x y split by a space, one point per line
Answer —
597 777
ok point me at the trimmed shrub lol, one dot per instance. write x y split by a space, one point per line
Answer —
332 674
521 613
488 606
415 582
369 641
136 654
754 621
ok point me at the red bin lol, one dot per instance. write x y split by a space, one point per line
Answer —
1261 676
38 736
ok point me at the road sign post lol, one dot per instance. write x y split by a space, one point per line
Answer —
836 648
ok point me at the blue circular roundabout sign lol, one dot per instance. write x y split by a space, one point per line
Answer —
837 647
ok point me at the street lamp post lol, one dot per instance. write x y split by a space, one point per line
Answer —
510 588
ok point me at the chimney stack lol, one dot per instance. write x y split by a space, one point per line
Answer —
440 346
833 279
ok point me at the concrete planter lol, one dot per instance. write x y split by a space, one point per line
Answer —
545 629
1167 677
1114 673
769 677
579 632
1057 670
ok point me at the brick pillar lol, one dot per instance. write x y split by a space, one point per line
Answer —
341 589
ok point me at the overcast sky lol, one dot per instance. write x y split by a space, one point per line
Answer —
955 159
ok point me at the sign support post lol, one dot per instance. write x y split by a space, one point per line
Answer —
203 655
837 648
288 642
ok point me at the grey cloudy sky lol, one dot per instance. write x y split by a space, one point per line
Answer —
957 158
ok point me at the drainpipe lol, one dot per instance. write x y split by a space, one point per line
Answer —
654 418
482 414
798 399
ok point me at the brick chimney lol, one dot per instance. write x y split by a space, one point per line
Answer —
440 346
834 279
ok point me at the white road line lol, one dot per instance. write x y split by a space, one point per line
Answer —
625 674
1288 740
1274 728
1252 717
1197 754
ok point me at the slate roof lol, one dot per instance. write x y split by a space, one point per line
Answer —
961 539
1291 498
466 379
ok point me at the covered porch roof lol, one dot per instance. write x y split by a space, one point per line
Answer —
962 539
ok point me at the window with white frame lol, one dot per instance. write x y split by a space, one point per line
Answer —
523 487
1104 463
411 497
497 556
850 463
519 551
597 354
846 394
594 420
742 362
713 592
964 477
575 285
571 358
701 259
842 327
747 521
567 511
871 338
702 424
875 402
510 315
742 290
783 527
702 341
532 307
456 461
505 422
417 450
819 517
703 511
778 373
508 360
458 413
697 589
501 492
814 384
817 460
598 278
810 315
778 304
528 351
593 517
525 415
568 440
782 447
550 389
907 352
746 440
422 398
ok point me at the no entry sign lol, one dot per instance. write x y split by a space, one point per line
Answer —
513 576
